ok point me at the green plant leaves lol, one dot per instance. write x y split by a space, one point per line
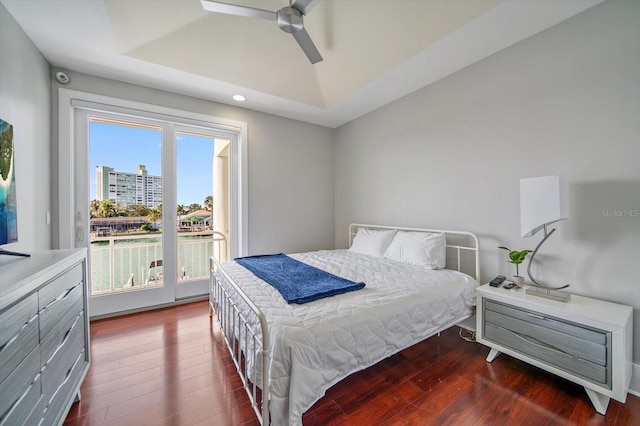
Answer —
517 257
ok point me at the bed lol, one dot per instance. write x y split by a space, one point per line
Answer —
288 355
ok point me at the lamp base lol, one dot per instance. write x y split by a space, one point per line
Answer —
559 296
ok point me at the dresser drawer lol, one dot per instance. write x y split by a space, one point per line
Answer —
60 314
16 349
71 302
57 287
35 417
14 386
23 408
18 329
14 318
56 368
62 395
593 372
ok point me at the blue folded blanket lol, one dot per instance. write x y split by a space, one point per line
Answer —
297 282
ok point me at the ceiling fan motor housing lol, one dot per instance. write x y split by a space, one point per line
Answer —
290 20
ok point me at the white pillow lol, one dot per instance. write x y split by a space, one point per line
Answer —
418 248
370 242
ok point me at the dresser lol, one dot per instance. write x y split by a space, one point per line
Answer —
584 340
44 335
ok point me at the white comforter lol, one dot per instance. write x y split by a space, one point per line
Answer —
315 345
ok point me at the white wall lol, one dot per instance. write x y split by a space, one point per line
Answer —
566 101
25 103
290 167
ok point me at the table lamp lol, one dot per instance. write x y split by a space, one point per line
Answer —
543 201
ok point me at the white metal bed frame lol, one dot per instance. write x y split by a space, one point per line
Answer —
239 334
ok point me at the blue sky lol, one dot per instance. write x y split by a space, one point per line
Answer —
123 148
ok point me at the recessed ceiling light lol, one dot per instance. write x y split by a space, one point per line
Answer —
239 98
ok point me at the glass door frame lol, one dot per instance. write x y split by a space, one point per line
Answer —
135 298
196 287
73 221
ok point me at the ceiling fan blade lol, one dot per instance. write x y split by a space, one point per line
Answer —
233 9
305 6
305 42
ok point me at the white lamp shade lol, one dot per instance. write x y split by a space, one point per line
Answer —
543 201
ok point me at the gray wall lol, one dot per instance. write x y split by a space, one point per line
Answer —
290 167
25 103
566 101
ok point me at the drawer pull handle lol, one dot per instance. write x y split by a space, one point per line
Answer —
65 338
17 335
536 342
62 296
536 316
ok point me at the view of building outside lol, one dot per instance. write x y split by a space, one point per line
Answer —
128 189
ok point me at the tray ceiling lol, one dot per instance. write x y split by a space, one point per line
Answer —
374 51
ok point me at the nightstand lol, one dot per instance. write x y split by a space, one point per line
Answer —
585 340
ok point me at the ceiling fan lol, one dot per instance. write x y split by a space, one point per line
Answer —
289 19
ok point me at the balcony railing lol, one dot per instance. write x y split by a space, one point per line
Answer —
122 263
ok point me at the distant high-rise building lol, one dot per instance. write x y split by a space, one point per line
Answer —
128 188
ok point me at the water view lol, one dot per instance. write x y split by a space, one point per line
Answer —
129 262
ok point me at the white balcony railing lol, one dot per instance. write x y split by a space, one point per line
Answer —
122 263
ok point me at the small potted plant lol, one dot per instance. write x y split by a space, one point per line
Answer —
517 257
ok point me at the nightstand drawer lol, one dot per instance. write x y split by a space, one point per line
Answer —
579 367
574 346
564 327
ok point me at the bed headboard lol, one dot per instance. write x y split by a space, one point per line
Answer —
462 247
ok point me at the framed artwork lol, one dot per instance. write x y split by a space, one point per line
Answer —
8 208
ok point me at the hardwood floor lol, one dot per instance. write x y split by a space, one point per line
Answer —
170 367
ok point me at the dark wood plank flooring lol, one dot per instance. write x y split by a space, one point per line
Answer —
170 367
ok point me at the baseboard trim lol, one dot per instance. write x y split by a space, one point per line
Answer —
151 308
634 386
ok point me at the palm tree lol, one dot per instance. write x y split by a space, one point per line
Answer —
180 210
94 208
106 209
120 209
155 214
138 210
208 203
194 207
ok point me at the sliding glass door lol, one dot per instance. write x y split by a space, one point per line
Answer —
200 229
146 209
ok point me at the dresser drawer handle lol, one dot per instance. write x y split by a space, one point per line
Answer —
17 335
536 316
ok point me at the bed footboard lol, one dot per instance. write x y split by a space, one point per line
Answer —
246 346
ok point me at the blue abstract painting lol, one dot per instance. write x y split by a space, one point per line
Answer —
8 210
